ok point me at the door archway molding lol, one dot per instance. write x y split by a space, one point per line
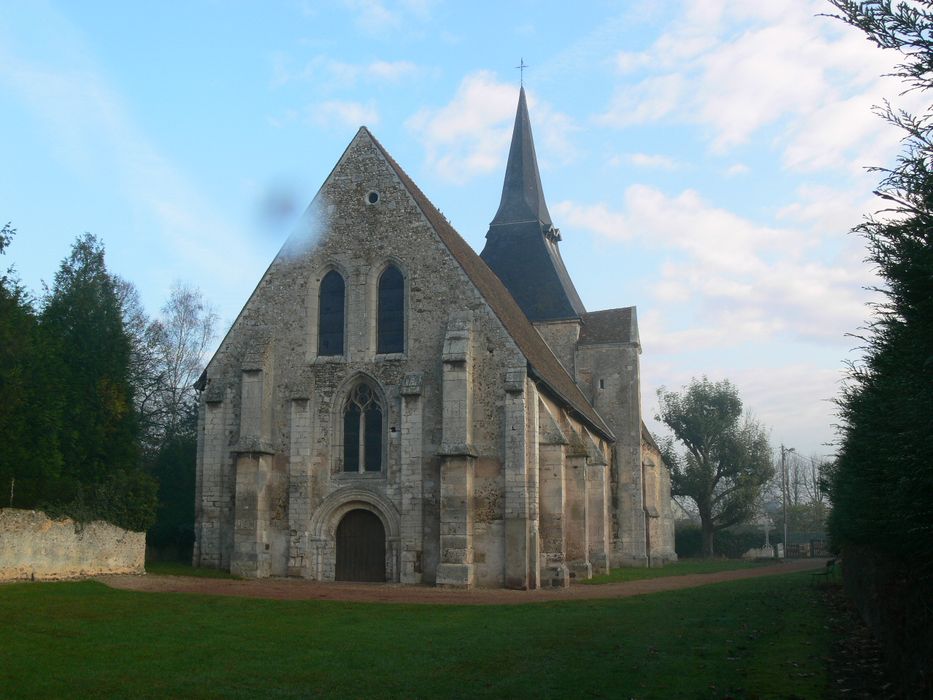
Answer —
327 516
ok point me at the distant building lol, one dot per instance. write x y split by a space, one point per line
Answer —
391 406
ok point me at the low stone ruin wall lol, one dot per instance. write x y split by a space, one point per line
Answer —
36 547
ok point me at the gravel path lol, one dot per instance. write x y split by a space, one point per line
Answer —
300 589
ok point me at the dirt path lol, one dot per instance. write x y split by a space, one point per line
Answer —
298 589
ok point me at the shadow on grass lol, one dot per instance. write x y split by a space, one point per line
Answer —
764 637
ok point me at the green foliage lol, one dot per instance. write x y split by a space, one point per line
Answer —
80 424
173 465
726 459
731 543
881 484
682 567
83 319
96 399
761 638
28 400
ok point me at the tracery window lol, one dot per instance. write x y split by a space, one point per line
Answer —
362 430
390 327
331 315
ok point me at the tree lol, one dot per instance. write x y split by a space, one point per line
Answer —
807 506
28 407
881 484
726 458
144 374
182 336
82 316
89 362
166 358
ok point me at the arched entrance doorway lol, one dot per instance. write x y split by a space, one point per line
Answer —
361 548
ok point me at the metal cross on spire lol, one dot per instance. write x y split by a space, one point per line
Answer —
521 67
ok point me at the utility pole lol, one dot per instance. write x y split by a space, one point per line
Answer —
784 452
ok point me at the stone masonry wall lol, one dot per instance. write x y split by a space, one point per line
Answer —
609 375
34 546
344 231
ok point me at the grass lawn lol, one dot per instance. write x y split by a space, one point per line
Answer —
172 568
678 568
763 637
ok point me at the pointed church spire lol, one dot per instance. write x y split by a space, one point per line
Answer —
521 246
522 194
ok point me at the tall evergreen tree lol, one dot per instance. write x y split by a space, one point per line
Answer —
882 518
883 478
83 320
28 405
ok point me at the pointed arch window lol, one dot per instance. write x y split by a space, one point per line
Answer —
363 418
390 329
331 314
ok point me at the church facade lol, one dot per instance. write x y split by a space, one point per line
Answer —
391 406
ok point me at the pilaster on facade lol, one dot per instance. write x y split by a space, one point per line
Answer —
456 568
457 396
552 500
516 512
412 486
251 553
299 486
532 483
578 521
457 455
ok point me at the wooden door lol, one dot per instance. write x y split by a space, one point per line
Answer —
361 547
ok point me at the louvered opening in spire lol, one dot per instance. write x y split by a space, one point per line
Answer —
522 194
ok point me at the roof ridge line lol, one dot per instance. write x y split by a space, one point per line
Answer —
581 405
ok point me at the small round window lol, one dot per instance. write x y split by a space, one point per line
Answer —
372 197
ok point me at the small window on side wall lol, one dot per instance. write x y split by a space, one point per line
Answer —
390 328
331 315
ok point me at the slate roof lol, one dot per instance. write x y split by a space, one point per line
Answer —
522 194
648 437
543 365
522 243
610 326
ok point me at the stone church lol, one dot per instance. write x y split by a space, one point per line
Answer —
391 406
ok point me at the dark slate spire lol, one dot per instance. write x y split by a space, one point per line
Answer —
521 246
522 195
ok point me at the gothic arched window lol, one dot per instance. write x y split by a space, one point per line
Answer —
390 327
330 315
362 430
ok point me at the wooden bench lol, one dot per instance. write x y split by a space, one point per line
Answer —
826 572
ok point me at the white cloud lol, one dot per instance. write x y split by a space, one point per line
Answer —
380 18
340 113
651 160
828 210
373 16
330 74
647 101
736 68
470 135
391 70
793 401
743 279
324 71
737 169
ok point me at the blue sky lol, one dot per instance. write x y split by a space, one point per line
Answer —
704 159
